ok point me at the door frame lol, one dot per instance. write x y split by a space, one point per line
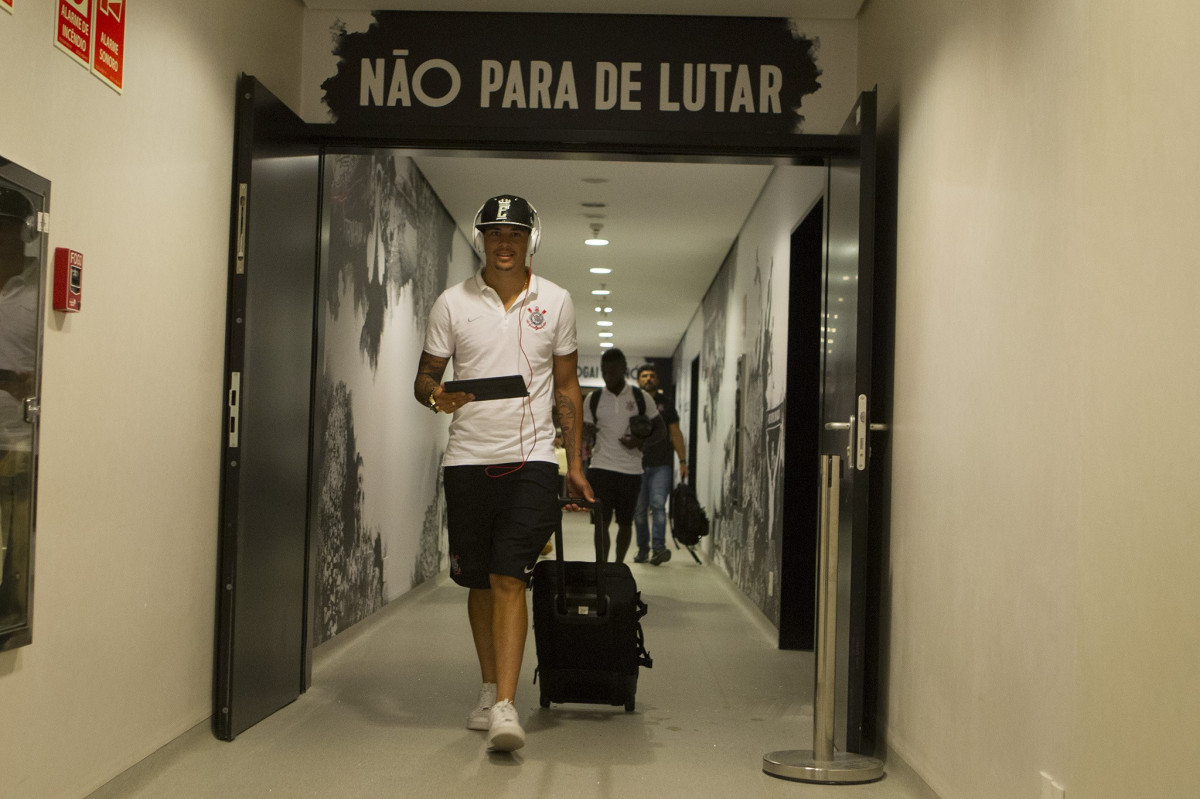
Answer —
30 183
798 150
264 580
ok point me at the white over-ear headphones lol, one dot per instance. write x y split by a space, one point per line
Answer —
498 209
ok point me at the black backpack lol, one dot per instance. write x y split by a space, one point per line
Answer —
689 522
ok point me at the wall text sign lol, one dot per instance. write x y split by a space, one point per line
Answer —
573 71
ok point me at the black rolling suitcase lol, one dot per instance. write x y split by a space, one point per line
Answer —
586 624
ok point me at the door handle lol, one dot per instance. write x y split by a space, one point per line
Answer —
845 426
876 427
858 448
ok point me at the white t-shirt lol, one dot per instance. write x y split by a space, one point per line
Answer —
613 412
469 324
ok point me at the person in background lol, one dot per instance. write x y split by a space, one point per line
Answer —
500 473
615 470
658 472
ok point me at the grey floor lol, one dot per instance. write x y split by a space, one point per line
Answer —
385 714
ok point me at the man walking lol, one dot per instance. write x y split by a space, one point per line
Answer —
658 473
500 471
615 471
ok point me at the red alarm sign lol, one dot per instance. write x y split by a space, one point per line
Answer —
73 29
108 58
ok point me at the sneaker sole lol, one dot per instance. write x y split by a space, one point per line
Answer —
482 723
507 740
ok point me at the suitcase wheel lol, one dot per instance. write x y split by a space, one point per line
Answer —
629 705
545 701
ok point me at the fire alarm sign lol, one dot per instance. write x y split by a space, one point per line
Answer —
68 279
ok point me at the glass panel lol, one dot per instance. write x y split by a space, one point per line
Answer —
22 259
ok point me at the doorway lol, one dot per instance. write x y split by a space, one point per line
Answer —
307 249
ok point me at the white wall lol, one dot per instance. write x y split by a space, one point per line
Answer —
1044 512
132 386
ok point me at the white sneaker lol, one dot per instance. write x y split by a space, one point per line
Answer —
481 718
505 733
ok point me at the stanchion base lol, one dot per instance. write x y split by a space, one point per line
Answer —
802 766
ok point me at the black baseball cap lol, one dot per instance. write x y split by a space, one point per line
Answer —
506 209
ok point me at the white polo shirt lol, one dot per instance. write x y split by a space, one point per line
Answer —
469 324
613 412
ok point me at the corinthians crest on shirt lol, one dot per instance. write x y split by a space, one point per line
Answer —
536 317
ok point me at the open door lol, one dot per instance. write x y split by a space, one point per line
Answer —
847 425
261 647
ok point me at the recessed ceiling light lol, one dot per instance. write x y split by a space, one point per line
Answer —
604 323
600 270
606 343
601 292
605 334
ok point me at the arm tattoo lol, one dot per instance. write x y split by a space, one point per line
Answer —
429 376
568 423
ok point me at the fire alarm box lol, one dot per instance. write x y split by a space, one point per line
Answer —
68 279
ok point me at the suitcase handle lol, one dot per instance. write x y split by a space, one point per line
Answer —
598 513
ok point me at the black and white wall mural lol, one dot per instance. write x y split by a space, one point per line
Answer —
389 251
741 340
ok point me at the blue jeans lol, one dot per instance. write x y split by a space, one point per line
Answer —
656 487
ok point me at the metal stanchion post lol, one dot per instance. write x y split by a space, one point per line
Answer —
822 763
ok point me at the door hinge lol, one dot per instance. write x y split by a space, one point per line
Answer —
32 410
235 400
240 257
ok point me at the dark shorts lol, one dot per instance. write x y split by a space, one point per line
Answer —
498 525
619 493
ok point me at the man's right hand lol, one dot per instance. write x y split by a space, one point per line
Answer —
450 401
578 486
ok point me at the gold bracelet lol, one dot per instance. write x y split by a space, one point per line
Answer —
433 402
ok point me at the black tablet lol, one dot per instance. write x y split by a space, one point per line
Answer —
490 388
